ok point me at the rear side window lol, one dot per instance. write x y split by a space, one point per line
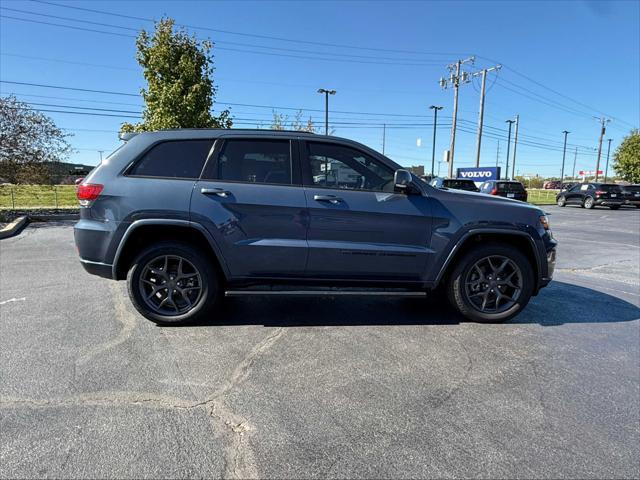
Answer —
610 188
174 159
254 161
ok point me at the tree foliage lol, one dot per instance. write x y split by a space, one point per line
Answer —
29 142
180 92
626 159
282 122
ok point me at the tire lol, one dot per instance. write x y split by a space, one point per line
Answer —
589 203
460 295
562 202
614 207
195 292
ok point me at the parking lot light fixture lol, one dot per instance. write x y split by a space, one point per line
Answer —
435 109
326 107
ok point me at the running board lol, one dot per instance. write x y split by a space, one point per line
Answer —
325 293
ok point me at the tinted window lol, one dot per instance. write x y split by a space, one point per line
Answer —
178 159
255 161
609 187
459 184
336 166
510 187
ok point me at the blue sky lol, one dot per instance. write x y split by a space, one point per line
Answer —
564 62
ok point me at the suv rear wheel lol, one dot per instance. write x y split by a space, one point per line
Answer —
492 283
589 203
173 283
562 201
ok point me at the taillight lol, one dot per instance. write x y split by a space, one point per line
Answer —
88 192
600 192
494 191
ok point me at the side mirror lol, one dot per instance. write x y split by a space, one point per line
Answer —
402 181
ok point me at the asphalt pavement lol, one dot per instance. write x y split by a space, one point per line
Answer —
361 387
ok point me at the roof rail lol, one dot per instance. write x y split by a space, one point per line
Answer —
125 137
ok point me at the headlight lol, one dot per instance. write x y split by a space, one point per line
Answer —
544 221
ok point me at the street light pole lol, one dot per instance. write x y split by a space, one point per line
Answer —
606 170
564 153
515 147
510 122
575 157
326 107
603 129
435 123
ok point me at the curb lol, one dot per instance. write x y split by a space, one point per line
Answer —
52 217
13 227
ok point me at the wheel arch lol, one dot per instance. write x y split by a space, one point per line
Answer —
473 238
142 233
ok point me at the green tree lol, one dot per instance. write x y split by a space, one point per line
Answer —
30 142
626 159
180 92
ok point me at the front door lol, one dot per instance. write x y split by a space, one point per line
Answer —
251 201
359 229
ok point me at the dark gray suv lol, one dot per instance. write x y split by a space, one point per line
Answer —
185 215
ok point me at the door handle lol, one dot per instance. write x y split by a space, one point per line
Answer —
327 198
215 191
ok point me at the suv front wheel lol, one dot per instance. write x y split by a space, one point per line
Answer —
491 283
172 283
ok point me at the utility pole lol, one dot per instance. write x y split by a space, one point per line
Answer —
510 122
498 155
564 153
455 79
606 170
326 107
435 109
515 146
575 157
603 129
483 73
384 134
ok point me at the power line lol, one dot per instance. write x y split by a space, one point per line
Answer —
348 60
277 107
253 35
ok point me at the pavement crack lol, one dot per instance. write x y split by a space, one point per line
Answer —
124 317
239 459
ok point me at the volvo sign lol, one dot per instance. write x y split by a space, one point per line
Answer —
479 174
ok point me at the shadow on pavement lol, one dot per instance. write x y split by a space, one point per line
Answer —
559 303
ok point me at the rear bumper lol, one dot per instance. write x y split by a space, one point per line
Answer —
93 239
103 270
609 201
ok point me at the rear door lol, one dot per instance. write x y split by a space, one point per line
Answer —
359 228
251 200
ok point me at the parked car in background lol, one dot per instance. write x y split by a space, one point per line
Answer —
505 188
567 185
185 215
590 195
455 183
552 185
631 195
